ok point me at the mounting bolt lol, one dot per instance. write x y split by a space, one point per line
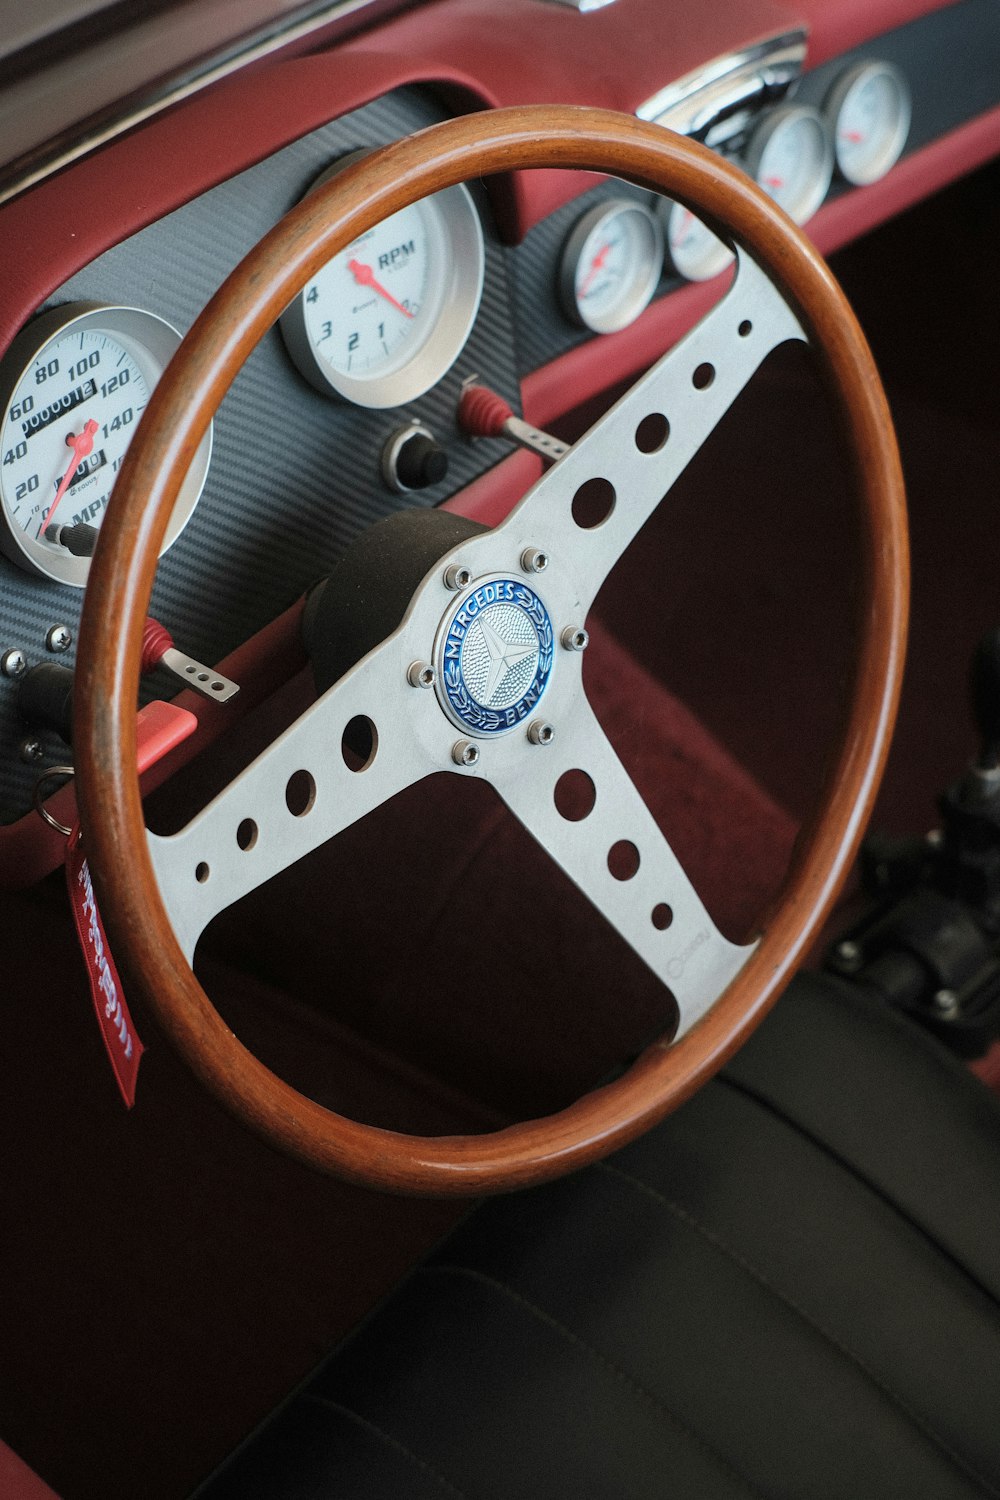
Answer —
946 1004
421 674
465 753
540 733
849 954
13 663
457 577
575 638
533 560
31 750
935 838
58 638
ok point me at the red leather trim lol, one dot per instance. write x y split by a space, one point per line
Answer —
541 53
18 1482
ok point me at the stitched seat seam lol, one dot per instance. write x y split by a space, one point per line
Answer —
374 1430
622 1375
963 1273
719 1244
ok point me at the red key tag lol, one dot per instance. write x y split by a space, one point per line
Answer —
160 728
117 1027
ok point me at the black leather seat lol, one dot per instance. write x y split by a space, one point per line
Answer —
789 1289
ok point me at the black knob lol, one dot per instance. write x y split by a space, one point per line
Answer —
45 698
79 539
984 684
415 460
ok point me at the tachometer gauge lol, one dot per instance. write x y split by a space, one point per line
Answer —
790 156
388 316
611 264
73 386
692 249
869 113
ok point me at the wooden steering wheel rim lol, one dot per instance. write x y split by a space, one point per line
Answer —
121 580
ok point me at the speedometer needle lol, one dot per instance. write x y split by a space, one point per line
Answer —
82 445
365 276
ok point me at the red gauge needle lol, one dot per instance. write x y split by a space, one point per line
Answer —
774 182
596 266
365 276
82 444
687 217
852 135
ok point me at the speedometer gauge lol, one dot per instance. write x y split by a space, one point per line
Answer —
73 386
791 158
869 113
388 316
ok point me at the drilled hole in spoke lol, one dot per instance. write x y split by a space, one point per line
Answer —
745 328
300 794
246 834
703 377
574 796
593 503
201 872
662 916
359 743
652 432
623 859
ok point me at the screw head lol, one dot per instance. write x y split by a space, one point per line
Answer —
849 953
420 674
575 638
59 638
465 753
457 577
13 663
540 733
533 560
31 750
946 1004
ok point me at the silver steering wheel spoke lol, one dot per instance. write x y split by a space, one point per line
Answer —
618 857
631 457
315 780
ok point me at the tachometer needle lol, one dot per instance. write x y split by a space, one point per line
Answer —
82 444
365 276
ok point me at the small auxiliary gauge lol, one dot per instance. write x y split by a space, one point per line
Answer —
73 386
388 316
869 113
790 156
611 264
692 249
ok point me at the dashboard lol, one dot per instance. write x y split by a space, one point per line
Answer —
548 288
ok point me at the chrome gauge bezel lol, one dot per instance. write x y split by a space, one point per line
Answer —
710 256
809 126
455 233
885 149
636 290
151 342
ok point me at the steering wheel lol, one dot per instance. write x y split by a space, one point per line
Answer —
158 894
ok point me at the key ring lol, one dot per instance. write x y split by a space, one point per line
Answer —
67 773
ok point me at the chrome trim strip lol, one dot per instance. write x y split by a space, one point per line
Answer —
692 104
235 57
